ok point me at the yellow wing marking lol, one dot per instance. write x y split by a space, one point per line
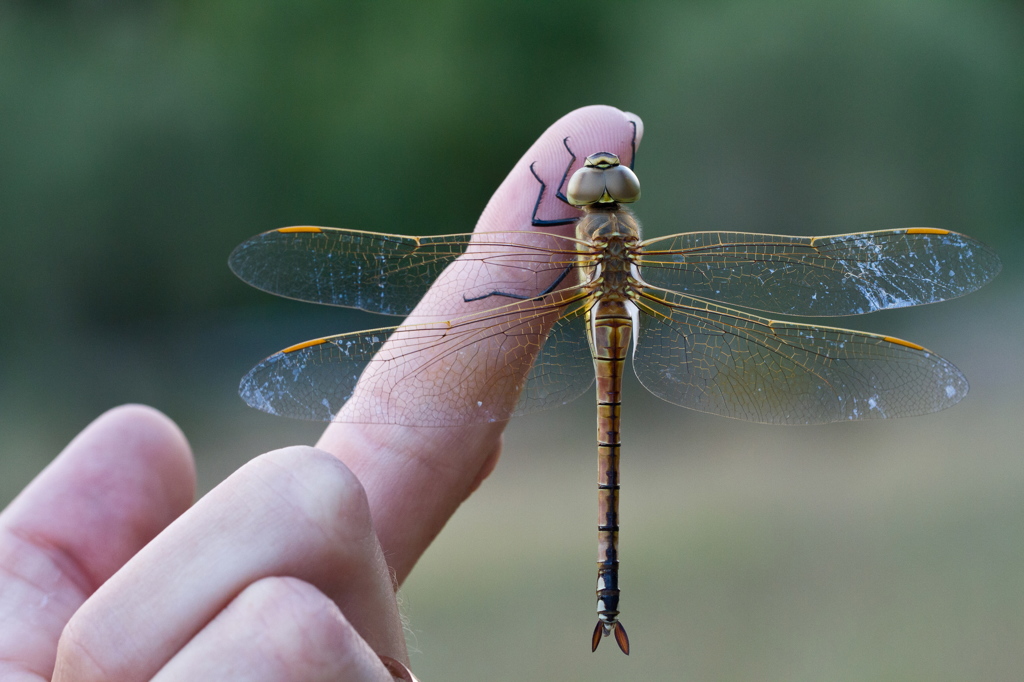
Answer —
300 228
926 230
901 342
304 344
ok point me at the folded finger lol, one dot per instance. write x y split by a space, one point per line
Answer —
111 490
295 512
277 629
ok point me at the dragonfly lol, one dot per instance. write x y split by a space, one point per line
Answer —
553 314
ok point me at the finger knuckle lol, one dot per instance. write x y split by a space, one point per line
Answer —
297 621
317 489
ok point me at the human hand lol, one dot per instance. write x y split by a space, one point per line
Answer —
287 570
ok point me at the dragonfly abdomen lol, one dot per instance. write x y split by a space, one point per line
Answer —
611 329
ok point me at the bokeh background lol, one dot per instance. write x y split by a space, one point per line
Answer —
141 141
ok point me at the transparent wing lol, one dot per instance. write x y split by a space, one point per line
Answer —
466 370
726 362
387 273
564 368
844 274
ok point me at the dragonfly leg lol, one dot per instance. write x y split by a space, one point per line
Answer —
518 297
538 222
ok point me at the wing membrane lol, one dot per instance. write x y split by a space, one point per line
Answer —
466 370
726 362
836 275
564 368
386 273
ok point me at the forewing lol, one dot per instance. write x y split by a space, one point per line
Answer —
387 273
837 275
726 362
466 370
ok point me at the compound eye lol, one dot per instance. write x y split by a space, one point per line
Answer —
621 184
586 186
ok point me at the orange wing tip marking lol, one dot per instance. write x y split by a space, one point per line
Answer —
300 228
901 342
304 344
603 630
926 230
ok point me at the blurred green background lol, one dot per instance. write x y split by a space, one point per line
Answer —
141 141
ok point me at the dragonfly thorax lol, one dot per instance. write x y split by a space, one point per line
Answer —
602 180
604 223
610 238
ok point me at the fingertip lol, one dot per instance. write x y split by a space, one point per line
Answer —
585 131
121 481
605 122
639 122
156 437
150 455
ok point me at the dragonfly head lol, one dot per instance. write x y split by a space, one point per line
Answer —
602 180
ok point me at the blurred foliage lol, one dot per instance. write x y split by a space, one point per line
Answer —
142 141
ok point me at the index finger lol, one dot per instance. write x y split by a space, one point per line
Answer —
415 477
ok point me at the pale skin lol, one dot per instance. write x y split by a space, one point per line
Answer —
288 568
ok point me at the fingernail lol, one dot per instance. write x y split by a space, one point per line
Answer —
398 669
